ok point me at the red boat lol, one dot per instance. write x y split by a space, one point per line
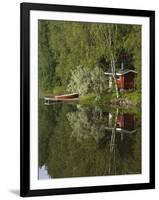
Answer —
67 96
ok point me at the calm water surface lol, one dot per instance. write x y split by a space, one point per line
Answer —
81 141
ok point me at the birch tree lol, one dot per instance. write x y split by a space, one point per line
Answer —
111 43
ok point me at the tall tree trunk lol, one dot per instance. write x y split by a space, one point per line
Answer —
114 77
111 43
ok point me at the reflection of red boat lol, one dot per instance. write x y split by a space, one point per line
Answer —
67 96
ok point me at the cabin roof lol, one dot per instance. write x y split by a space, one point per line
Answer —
121 72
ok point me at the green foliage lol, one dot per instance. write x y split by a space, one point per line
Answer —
133 44
47 61
134 96
103 100
87 99
58 90
84 81
80 80
65 45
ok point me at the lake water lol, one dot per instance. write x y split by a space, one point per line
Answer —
85 140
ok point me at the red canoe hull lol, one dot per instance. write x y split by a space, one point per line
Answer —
67 96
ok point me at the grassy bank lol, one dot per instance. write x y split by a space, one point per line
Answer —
125 99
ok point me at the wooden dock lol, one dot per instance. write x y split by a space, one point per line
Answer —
52 100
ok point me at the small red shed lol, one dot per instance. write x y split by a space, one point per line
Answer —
125 79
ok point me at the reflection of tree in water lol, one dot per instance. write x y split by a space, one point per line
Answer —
86 123
47 119
117 140
82 143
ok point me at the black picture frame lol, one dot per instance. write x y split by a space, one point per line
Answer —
25 9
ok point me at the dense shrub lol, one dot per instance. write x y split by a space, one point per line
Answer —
84 81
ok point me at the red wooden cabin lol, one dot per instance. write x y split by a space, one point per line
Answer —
125 79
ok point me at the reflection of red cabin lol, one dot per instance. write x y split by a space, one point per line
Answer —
126 121
125 79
